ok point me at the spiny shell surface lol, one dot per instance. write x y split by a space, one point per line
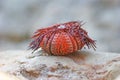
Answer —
62 39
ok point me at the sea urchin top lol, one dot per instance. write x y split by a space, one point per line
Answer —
62 39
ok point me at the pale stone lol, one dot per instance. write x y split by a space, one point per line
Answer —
5 76
82 65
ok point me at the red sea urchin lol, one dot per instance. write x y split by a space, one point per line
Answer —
61 39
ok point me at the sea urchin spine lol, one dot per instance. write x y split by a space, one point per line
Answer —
62 39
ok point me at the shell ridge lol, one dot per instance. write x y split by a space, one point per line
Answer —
62 39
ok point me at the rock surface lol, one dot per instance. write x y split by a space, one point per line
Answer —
82 65
5 76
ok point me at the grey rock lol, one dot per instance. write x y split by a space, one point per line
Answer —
81 65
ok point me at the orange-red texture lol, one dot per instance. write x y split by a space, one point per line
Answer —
62 39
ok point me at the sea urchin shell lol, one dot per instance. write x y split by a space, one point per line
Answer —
62 39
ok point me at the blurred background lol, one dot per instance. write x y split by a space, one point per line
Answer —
20 18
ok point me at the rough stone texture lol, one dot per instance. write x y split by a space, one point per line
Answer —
82 65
